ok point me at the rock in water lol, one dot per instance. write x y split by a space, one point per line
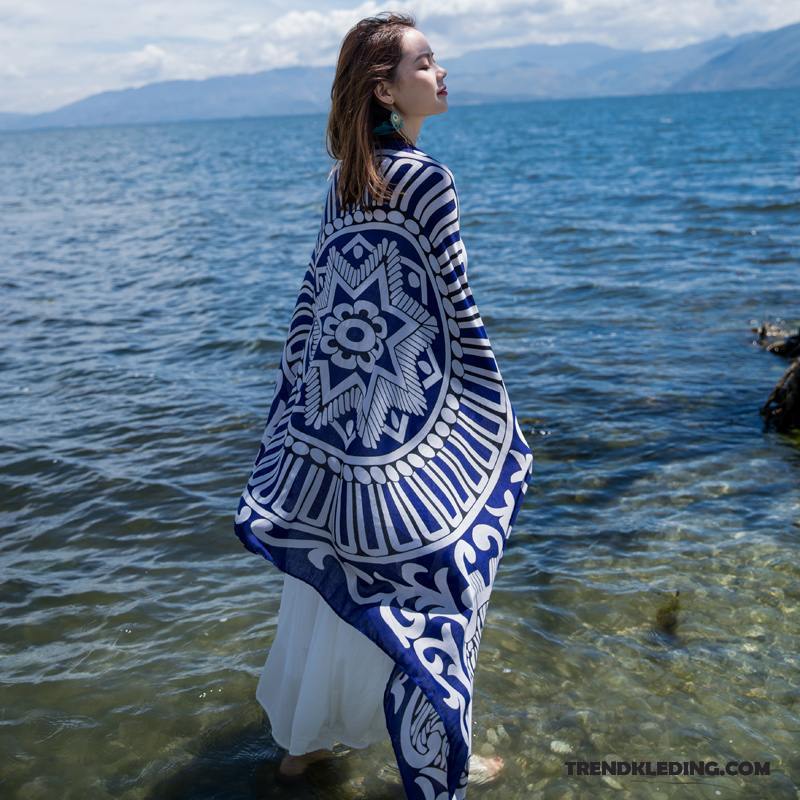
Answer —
782 409
667 614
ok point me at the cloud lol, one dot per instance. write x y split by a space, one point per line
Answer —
148 64
53 53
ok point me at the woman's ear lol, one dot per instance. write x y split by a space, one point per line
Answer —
382 94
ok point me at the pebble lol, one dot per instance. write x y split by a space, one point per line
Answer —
550 765
487 749
558 790
37 789
560 746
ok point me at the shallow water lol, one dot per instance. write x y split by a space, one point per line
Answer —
620 250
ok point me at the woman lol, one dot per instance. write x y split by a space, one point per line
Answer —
392 465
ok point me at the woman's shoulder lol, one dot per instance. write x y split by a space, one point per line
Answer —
420 160
409 152
414 178
388 151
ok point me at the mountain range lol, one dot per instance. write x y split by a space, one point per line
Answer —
769 59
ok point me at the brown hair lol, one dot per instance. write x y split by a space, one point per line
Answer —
370 53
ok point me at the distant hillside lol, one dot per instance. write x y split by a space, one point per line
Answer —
656 70
578 69
574 70
289 90
770 59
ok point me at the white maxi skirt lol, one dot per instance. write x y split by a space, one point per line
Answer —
323 681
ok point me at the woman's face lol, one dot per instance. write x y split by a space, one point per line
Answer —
414 92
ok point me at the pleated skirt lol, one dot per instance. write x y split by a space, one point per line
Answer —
323 680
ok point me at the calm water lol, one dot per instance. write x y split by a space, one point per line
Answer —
620 251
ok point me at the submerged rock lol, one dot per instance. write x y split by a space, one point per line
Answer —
667 614
560 746
782 409
775 339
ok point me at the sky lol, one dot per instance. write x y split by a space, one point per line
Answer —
53 52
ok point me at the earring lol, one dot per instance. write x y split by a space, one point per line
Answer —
394 125
396 120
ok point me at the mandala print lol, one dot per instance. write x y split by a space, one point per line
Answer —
364 360
392 466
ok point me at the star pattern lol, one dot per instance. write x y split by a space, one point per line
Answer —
371 334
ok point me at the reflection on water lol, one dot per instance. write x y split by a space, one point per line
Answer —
620 250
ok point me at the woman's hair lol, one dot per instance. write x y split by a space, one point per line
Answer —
370 53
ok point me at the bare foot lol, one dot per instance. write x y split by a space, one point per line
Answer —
483 769
296 765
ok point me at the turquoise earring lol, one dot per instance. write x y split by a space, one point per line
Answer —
394 125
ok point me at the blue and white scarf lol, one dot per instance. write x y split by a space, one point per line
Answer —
392 466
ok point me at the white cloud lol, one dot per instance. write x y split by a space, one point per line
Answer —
53 53
148 64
